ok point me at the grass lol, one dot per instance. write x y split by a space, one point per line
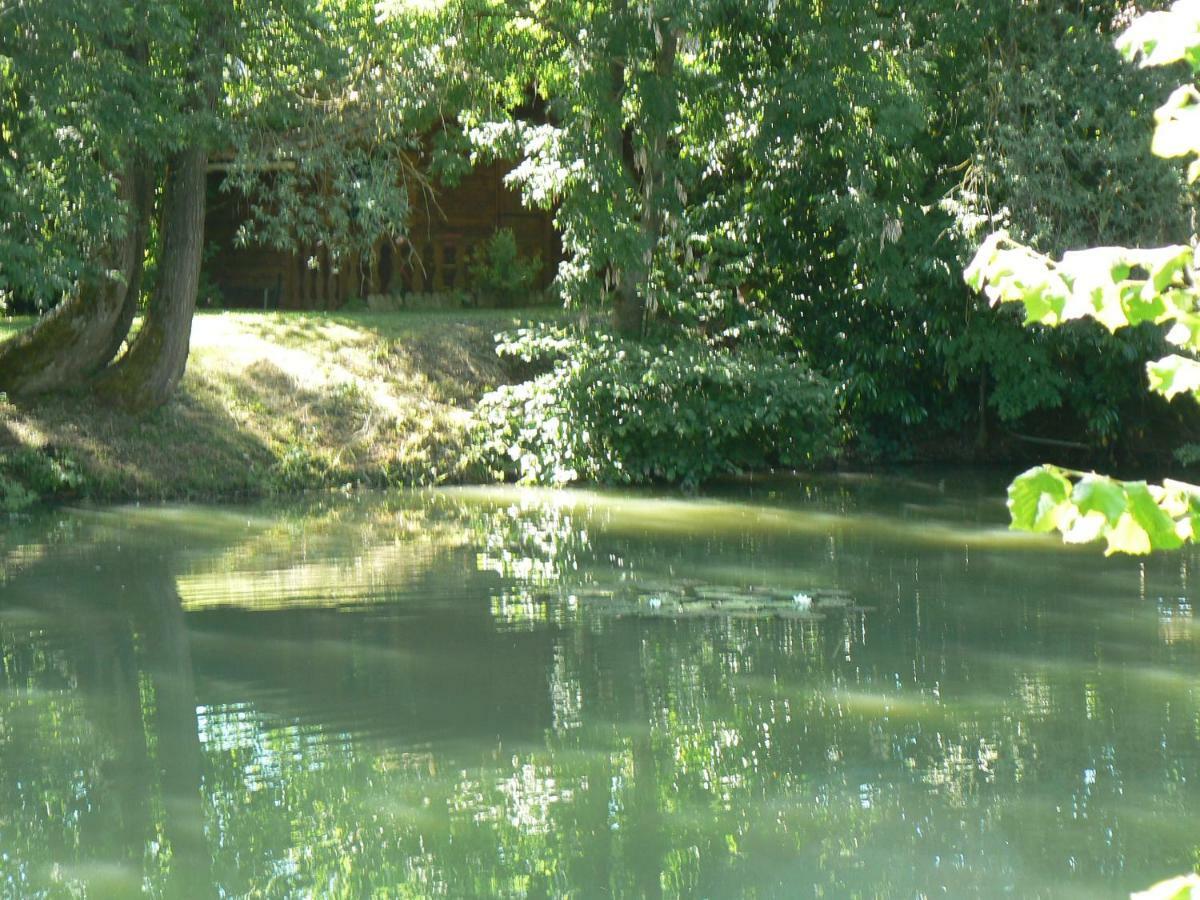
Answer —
273 402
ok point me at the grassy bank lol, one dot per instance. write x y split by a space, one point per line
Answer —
272 403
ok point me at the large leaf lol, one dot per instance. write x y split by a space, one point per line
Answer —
1177 124
1130 516
1127 536
1095 493
1117 287
1185 887
1144 509
1174 375
1164 38
1098 283
1036 498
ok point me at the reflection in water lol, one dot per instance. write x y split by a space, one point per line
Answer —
863 690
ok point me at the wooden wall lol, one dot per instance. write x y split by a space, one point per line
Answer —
443 233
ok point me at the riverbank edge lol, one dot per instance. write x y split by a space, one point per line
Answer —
273 405
282 404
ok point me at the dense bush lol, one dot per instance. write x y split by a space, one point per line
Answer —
857 199
499 276
621 411
27 476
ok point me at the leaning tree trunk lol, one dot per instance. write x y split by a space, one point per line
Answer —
146 376
83 333
144 202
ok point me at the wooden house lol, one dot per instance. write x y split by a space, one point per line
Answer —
443 233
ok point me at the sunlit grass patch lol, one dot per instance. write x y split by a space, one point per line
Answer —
14 324
280 402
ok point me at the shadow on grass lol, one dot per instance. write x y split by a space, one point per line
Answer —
278 403
191 448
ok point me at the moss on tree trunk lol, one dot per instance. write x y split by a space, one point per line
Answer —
80 336
146 376
144 202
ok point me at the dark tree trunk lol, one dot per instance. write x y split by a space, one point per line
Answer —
144 200
631 307
179 754
981 436
81 335
146 376
629 304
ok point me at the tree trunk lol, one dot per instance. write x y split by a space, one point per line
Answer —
631 303
179 754
146 376
83 333
981 436
144 200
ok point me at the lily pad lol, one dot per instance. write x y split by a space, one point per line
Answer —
692 598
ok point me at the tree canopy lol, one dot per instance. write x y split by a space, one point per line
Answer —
1120 288
783 191
110 105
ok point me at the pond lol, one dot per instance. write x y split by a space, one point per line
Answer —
848 686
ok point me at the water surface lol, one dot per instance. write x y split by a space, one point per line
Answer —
848 687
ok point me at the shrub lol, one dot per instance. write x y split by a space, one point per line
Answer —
28 476
498 274
623 412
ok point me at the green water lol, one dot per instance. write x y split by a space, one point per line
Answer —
483 693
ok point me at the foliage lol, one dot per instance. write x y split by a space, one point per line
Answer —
1118 287
1133 517
312 129
499 277
1185 887
805 174
619 411
29 476
607 159
323 113
1052 163
283 95
865 223
68 92
817 171
14 496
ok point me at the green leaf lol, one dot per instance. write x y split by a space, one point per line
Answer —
1035 499
1177 124
1174 375
976 273
1166 264
1095 493
1144 509
1185 887
1086 528
1142 305
1127 537
1163 38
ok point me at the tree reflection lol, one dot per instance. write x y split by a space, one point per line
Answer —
978 720
99 750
